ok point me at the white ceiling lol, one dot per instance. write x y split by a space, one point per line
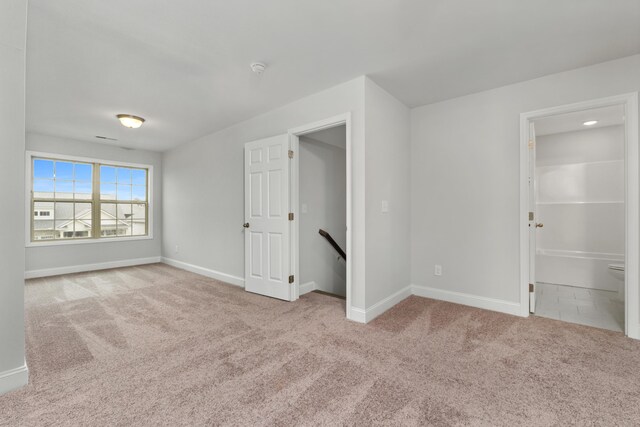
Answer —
605 116
184 65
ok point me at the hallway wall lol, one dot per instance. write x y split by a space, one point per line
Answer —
203 181
323 202
13 368
465 174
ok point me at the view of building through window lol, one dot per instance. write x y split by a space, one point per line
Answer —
81 200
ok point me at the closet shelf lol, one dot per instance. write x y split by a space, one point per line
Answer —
610 202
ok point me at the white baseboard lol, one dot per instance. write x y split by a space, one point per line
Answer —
492 304
633 331
33 274
307 287
358 315
223 277
365 316
381 306
14 378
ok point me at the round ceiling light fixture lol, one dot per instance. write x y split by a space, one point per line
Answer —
590 122
129 121
258 67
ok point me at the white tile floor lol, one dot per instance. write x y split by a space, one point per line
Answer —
591 307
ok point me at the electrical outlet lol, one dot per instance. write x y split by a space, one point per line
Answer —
384 206
177 249
437 270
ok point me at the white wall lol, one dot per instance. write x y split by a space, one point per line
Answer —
388 179
48 259
204 192
323 192
580 200
203 183
13 20
465 179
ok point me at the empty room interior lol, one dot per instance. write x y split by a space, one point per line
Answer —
319 213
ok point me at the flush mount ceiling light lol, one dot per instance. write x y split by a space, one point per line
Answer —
258 67
590 123
129 121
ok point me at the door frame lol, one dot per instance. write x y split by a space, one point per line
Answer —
632 202
294 188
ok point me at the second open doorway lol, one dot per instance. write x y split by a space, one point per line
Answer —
323 212
579 196
320 200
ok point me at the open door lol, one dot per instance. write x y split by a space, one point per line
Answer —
266 207
533 226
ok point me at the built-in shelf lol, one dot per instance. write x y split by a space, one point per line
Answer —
611 202
593 162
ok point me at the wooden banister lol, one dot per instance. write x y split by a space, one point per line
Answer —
333 243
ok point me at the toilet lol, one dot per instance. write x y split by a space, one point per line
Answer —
617 270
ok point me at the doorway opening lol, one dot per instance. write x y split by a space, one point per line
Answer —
321 200
279 225
581 236
323 211
579 206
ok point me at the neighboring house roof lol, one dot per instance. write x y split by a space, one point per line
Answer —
83 217
65 210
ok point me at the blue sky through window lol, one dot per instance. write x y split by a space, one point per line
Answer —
64 170
48 169
43 169
58 176
139 177
83 172
107 174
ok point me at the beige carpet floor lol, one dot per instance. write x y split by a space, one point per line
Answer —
154 345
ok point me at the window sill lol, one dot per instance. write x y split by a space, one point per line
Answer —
43 243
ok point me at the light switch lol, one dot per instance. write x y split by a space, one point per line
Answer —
303 208
385 206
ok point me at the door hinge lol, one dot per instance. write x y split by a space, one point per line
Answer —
291 278
531 144
291 154
290 216
531 288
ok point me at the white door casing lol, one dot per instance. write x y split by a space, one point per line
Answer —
632 201
295 133
533 217
267 227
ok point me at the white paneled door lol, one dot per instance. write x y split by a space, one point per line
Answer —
533 218
266 212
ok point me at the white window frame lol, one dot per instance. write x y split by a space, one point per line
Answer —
30 155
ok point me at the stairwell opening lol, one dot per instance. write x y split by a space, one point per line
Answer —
323 212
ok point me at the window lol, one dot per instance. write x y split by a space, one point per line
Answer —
80 200
123 197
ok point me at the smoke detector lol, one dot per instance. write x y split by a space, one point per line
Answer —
258 67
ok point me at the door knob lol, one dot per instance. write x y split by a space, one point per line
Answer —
539 225
245 225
